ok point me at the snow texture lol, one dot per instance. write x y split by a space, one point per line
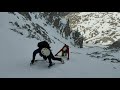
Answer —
16 54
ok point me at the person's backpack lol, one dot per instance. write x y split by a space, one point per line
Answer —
43 44
44 48
45 52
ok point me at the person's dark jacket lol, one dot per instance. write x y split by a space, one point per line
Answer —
41 45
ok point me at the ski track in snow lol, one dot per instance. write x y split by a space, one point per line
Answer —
16 54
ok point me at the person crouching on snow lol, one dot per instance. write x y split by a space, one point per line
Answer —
45 52
64 50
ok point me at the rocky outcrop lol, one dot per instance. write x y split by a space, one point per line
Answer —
96 26
115 45
25 22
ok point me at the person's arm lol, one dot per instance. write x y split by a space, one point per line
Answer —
58 52
34 54
68 52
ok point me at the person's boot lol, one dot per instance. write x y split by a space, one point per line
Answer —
32 61
51 64
62 61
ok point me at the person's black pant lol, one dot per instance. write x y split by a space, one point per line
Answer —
51 56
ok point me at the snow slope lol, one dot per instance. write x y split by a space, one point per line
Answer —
16 54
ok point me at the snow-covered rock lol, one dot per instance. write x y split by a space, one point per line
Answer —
97 27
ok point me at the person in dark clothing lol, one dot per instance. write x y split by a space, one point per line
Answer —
81 41
46 55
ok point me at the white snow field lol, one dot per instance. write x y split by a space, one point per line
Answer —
16 54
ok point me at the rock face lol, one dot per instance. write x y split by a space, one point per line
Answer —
35 24
97 27
115 45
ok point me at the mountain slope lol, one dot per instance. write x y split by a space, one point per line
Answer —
16 53
38 24
97 27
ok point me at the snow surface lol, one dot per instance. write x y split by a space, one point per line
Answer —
16 54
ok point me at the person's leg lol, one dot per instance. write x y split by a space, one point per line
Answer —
45 58
65 53
62 53
55 58
50 61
